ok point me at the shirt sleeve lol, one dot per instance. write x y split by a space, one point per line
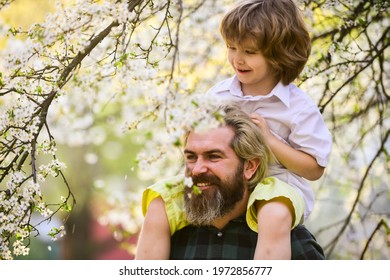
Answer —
268 189
171 190
310 135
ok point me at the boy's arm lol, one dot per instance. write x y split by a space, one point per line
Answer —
296 161
155 238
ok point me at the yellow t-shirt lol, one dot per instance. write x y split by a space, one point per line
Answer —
171 190
269 188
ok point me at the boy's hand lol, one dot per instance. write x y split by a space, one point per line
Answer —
296 161
262 124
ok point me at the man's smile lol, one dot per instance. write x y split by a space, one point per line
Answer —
203 186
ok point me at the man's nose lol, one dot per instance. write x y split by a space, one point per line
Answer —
199 167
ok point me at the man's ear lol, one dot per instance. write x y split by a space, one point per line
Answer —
250 167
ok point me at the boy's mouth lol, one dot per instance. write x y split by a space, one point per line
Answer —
243 70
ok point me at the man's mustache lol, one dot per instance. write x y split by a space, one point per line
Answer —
206 178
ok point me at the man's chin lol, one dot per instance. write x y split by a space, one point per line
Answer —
202 209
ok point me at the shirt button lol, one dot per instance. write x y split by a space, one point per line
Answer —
219 234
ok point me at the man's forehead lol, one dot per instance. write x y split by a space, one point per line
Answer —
216 138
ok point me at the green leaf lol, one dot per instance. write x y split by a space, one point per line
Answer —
196 190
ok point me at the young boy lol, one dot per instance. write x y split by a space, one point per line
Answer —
268 46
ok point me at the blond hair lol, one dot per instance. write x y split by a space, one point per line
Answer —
278 30
248 142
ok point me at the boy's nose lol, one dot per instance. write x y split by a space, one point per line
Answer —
238 58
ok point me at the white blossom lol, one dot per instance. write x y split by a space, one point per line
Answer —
188 182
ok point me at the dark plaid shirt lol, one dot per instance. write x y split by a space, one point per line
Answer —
235 242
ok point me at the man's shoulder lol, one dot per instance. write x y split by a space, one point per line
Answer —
304 246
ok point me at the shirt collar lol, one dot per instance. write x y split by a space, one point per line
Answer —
280 91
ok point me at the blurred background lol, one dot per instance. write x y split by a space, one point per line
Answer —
351 217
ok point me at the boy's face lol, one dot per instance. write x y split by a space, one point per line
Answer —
251 68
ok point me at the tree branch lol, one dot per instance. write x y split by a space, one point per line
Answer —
334 241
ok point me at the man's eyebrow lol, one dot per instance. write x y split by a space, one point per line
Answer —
215 151
186 151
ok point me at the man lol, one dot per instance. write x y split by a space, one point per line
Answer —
225 164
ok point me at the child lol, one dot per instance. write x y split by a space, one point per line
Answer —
268 46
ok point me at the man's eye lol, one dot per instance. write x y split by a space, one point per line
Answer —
190 158
214 157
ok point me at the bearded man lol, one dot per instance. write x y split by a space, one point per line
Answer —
215 218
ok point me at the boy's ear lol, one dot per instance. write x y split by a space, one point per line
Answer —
250 167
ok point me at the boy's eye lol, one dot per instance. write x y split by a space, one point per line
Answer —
251 51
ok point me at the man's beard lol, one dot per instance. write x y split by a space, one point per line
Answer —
215 202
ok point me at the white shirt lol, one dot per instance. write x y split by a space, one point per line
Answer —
294 118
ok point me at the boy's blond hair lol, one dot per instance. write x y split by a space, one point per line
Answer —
278 30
